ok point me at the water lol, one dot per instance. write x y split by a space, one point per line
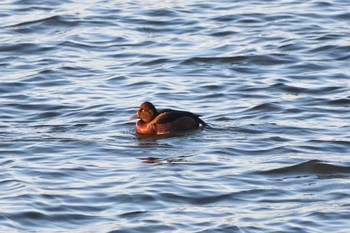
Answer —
271 78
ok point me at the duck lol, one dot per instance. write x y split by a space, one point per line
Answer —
154 122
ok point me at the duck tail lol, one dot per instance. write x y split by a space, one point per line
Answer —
201 121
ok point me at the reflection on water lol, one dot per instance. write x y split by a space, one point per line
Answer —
270 78
161 161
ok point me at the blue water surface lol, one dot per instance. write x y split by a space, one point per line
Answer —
271 78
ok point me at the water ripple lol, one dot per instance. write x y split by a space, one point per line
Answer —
312 167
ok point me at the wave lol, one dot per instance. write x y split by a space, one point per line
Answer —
312 167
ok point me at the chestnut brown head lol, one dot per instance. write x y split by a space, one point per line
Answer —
147 112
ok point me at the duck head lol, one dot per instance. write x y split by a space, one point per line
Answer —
147 112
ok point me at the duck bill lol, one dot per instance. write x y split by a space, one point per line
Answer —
136 116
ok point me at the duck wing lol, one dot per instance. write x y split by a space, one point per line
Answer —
168 115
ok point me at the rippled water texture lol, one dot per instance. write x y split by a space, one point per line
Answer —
271 78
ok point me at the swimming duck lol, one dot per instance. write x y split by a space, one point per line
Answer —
165 121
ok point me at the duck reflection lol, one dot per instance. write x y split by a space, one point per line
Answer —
162 161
